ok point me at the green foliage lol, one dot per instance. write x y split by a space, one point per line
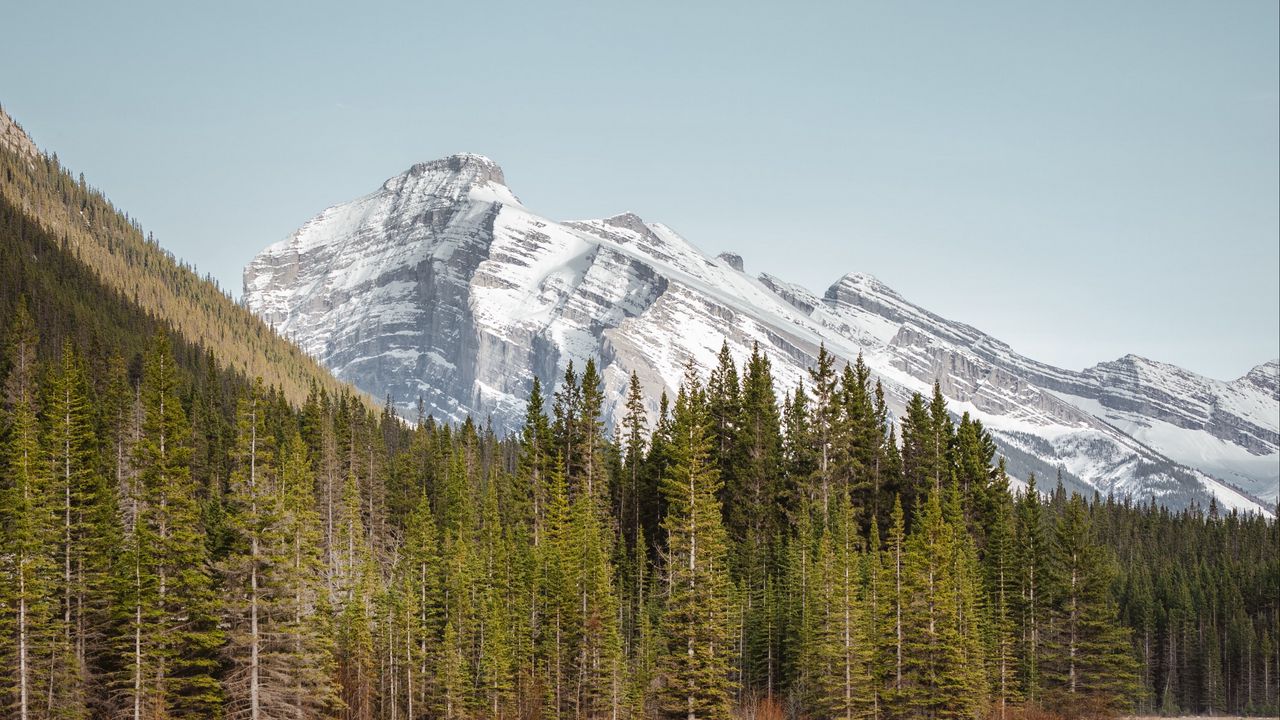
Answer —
696 657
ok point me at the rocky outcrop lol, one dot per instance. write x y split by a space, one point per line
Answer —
16 140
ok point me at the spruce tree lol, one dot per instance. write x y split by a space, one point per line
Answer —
597 659
421 585
1031 566
78 494
254 524
938 649
1001 585
890 663
181 607
838 657
1087 661
755 519
827 430
723 403
90 536
696 658
28 537
920 465
302 634
591 432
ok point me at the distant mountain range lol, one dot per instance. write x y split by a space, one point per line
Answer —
442 285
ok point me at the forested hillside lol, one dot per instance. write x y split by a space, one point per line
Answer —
113 246
177 542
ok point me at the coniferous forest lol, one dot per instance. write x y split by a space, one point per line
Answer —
180 540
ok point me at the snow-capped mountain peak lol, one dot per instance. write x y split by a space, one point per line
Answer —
474 176
442 285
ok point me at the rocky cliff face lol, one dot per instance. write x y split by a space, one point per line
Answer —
442 285
16 140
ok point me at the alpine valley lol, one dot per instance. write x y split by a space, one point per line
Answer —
442 288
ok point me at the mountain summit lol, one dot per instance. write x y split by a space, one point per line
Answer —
442 286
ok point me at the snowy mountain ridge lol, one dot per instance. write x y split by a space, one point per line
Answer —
442 285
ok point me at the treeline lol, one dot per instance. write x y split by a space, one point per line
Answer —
178 544
1202 596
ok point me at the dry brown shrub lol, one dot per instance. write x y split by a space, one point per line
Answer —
762 709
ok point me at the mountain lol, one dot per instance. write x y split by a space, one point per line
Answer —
442 285
113 248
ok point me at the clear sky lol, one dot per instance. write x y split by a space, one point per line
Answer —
1079 179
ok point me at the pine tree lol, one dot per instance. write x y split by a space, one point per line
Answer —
302 633
754 512
873 580
356 585
827 431
838 655
941 440
567 427
254 524
696 658
421 585
920 466
628 511
866 437
178 601
557 597
1031 558
798 459
85 512
1000 578
597 662
891 650
1087 659
723 403
535 459
28 536
591 431
496 655
938 649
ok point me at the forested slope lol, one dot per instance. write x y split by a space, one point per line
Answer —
113 246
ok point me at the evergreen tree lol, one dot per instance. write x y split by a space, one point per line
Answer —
866 437
755 517
171 532
76 494
597 661
254 524
1087 662
1031 561
421 585
28 537
938 650
723 404
1001 585
890 663
567 428
302 633
177 601
591 431
535 459
920 464
696 658
827 433
837 657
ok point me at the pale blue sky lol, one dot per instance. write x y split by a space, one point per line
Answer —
1080 179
